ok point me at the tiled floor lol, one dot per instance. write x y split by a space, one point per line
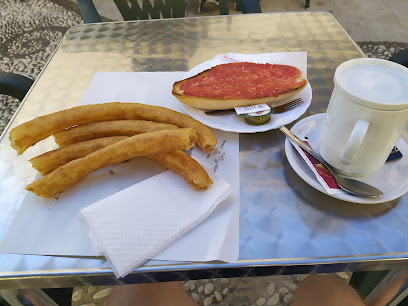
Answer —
364 20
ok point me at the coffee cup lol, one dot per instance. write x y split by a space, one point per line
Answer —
367 111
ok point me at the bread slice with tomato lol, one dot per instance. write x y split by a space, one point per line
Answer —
232 85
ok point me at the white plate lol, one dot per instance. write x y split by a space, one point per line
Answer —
391 179
235 123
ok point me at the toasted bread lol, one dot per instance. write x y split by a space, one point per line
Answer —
240 84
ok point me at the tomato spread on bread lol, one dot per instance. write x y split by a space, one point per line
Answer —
244 80
240 84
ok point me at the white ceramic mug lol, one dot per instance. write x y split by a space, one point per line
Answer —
367 111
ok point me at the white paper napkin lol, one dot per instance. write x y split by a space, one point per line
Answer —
36 226
133 225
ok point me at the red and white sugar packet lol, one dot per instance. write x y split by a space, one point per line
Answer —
322 174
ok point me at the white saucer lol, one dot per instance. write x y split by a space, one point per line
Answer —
391 179
235 123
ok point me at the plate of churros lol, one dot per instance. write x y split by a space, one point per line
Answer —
92 137
230 121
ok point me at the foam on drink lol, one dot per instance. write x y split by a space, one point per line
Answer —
375 83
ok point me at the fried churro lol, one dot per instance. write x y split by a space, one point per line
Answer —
49 161
177 161
139 145
186 166
107 129
31 132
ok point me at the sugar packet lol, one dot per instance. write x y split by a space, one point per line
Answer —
322 174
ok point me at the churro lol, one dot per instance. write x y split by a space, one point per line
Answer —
49 161
139 145
181 163
31 132
177 161
107 129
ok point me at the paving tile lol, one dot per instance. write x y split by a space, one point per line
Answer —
360 5
399 8
366 27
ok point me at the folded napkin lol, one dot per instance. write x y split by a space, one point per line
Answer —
133 225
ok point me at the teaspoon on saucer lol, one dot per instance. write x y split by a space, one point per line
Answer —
350 185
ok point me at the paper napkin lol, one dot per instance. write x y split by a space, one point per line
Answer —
133 225
325 178
36 226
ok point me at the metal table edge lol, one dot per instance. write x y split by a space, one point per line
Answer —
187 271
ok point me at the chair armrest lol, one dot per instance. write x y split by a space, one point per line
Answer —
14 85
401 57
88 11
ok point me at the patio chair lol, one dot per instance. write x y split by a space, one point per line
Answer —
154 9
15 85
132 10
401 57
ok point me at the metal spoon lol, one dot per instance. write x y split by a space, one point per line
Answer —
350 185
